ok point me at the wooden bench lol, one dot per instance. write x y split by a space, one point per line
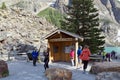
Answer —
96 58
21 53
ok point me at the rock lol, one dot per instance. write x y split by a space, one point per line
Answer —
58 74
99 67
22 30
3 69
108 76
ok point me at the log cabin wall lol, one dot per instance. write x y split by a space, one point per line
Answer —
60 44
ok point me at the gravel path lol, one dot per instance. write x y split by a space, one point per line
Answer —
23 70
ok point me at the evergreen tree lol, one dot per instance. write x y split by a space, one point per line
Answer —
83 19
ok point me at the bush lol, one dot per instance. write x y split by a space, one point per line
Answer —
52 15
5 73
3 6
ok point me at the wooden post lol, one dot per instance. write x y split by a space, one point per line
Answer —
49 47
76 48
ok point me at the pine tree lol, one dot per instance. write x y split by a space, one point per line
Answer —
83 19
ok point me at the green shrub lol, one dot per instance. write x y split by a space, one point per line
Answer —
52 15
3 6
5 73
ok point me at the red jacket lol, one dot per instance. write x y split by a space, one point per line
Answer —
85 54
72 54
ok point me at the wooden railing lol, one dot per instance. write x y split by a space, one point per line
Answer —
96 58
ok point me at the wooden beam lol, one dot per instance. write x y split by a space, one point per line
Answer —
76 58
62 39
50 60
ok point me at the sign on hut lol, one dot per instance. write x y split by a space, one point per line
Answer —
60 43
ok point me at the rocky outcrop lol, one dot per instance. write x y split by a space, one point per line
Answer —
109 11
22 31
33 6
60 5
99 67
109 19
58 74
3 69
108 76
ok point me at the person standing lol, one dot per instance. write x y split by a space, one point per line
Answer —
103 55
108 57
85 57
78 55
113 53
46 59
34 57
72 56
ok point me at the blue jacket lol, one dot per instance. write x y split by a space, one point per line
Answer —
34 54
79 52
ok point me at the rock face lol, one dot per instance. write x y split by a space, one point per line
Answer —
109 19
109 11
3 69
58 74
21 30
108 76
99 67
33 6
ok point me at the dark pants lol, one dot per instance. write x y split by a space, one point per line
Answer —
85 64
103 58
46 64
34 61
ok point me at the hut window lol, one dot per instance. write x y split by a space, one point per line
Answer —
55 49
67 48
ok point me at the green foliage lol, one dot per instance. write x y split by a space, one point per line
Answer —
83 20
52 15
3 6
5 73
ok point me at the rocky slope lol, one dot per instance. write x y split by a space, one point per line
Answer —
33 6
20 27
21 30
109 11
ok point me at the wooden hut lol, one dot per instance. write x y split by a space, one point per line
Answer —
60 43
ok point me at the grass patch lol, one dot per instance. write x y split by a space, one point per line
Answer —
52 15
3 6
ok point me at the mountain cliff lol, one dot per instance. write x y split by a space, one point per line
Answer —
109 11
20 27
22 30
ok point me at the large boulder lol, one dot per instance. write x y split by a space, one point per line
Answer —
108 76
3 69
58 74
99 67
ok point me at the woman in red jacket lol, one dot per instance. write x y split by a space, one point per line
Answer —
72 56
85 57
